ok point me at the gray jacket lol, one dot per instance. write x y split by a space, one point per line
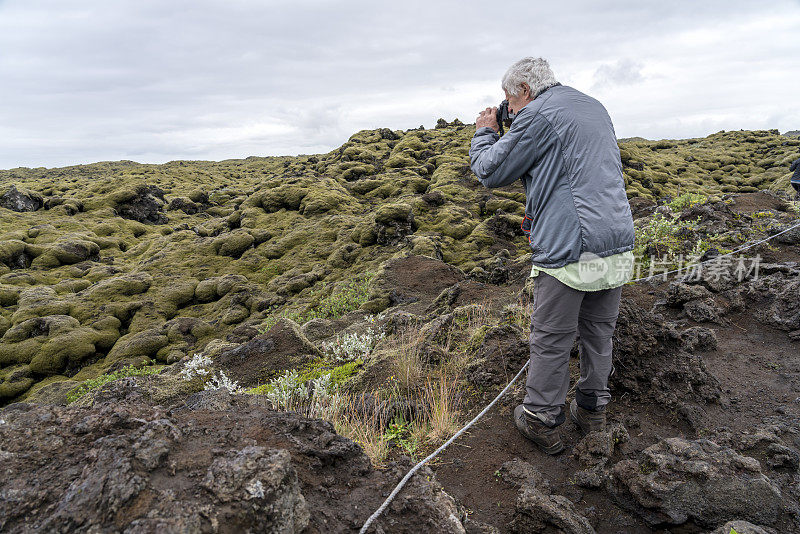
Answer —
563 147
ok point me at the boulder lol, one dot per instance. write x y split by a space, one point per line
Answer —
701 311
234 243
594 452
698 338
21 199
283 347
784 312
656 366
500 351
677 480
393 223
538 512
144 204
13 253
679 293
520 473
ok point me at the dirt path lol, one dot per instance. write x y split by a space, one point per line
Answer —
757 365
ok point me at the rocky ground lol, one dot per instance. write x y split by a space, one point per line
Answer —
704 432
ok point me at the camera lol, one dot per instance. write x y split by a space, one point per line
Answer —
504 118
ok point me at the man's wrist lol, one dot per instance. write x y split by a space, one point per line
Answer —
478 130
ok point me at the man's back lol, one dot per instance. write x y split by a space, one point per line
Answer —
564 143
587 149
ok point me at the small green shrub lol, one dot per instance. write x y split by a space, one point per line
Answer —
687 200
402 433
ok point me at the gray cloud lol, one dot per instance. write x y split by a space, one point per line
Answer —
623 72
153 81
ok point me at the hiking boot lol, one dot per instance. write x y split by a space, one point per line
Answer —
547 439
587 420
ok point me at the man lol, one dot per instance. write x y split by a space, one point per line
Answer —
795 180
563 146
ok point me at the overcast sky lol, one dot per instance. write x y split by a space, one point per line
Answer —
154 81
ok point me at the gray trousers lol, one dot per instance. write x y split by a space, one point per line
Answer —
559 312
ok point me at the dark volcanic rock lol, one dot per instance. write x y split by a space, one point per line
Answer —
538 512
775 446
146 206
652 364
283 347
520 473
702 311
501 353
17 200
792 237
13 254
679 293
394 223
185 205
698 338
536 509
676 480
785 309
216 463
594 452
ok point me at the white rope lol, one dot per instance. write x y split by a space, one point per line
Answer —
743 247
414 469
435 453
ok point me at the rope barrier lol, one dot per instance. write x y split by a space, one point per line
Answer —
435 453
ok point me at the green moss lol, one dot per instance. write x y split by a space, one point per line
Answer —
687 200
9 295
327 196
66 252
94 383
339 374
357 171
14 381
451 221
400 161
233 244
476 340
145 343
311 230
73 346
11 251
389 213
509 206
288 196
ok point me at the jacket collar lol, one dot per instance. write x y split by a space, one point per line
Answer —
545 89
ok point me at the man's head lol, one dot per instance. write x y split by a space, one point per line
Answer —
524 80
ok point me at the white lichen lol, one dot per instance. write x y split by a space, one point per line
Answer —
255 489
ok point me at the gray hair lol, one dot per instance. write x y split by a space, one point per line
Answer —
534 71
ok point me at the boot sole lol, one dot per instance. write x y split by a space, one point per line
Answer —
552 450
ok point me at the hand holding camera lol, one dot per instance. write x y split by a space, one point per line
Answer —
487 118
495 118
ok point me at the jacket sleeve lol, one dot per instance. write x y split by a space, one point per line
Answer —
795 163
500 161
